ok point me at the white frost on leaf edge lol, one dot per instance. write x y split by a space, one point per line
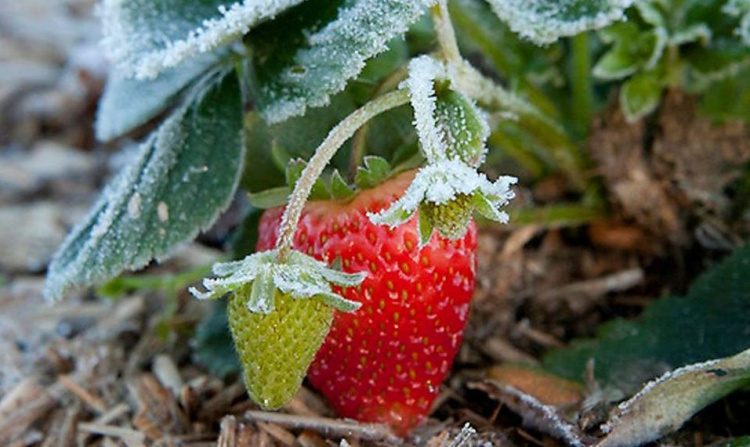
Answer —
368 24
540 22
300 277
121 39
423 72
741 9
443 181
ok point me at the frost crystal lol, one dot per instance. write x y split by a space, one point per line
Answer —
423 72
450 184
300 277
544 21
146 37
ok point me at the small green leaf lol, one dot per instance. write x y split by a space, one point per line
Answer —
294 172
270 198
712 321
544 21
425 229
183 176
309 53
375 171
640 95
667 403
127 103
633 50
339 188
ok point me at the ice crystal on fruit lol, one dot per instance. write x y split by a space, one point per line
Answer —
299 276
453 186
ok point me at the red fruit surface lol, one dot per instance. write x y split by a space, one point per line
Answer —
385 362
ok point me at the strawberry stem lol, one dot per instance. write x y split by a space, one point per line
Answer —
323 154
446 36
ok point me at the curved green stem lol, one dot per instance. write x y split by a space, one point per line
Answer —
359 142
446 36
323 154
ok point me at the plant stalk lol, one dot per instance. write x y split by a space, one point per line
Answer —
446 36
323 154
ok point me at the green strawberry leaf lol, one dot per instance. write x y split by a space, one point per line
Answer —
667 403
741 9
373 173
310 52
544 21
127 103
633 49
146 37
183 176
640 95
712 321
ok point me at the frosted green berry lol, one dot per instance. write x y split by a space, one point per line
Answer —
277 348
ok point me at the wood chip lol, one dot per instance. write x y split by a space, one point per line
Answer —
131 438
327 427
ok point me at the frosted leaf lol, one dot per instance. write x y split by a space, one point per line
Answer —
145 37
448 124
457 187
309 54
544 21
741 9
190 165
127 103
663 405
300 276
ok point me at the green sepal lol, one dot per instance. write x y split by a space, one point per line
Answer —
484 206
425 229
341 304
640 95
270 198
373 173
339 188
294 171
262 294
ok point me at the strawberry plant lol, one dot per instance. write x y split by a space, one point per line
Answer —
374 132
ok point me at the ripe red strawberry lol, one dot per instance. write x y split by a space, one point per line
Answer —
386 361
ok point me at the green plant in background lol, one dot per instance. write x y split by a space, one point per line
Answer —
684 44
287 100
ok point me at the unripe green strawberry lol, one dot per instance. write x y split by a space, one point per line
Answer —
276 348
280 310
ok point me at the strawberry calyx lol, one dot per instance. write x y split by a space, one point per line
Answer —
299 276
279 312
447 193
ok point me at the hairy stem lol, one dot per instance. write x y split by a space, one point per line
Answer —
446 36
323 154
